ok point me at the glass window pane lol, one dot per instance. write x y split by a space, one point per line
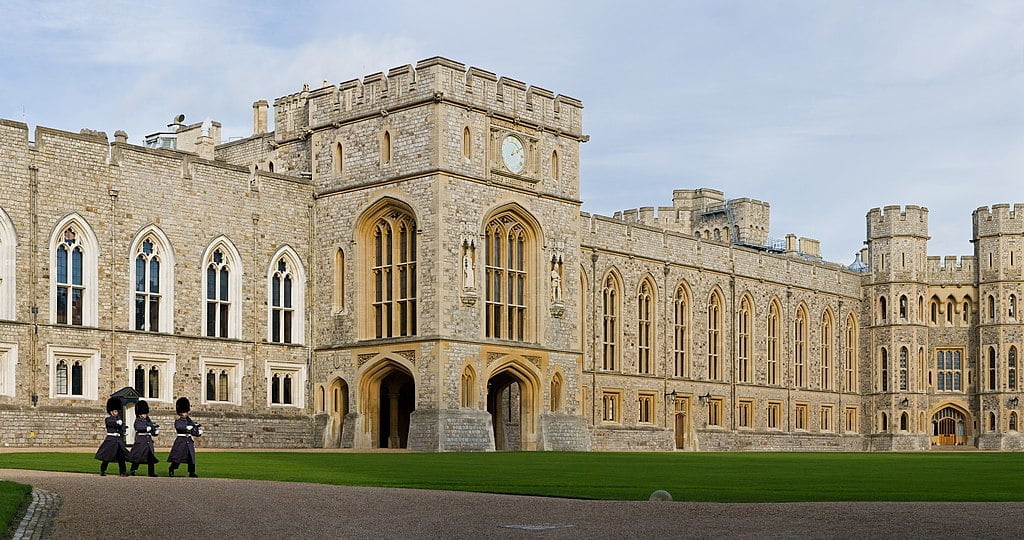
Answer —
154 276
140 312
62 377
287 389
154 314
275 325
288 291
211 283
62 305
211 387
223 386
76 306
224 320
288 327
154 382
76 266
224 283
76 379
275 291
275 389
140 380
62 264
211 319
140 273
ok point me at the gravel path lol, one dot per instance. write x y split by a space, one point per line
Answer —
95 507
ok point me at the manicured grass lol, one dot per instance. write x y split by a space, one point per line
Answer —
724 477
11 497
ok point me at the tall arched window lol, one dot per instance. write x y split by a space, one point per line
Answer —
882 308
152 277
714 336
508 255
8 269
949 311
903 306
800 348
743 335
385 148
610 298
339 281
903 368
645 322
774 316
393 283
967 310
73 254
680 327
468 387
218 295
850 356
555 172
991 307
337 158
1013 421
826 333
884 370
286 292
467 144
1012 308
992 368
1011 364
556 392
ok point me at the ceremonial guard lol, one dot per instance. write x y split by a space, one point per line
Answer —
112 448
184 448
143 451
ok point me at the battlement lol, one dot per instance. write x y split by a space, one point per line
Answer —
434 79
999 219
895 220
951 269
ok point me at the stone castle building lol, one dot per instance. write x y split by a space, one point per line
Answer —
403 262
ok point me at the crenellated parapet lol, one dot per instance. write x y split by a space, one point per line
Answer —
951 270
895 220
999 219
432 80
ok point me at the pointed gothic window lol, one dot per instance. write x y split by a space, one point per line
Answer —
507 253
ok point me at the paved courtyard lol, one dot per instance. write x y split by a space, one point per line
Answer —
103 507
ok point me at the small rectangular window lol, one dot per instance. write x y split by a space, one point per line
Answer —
745 413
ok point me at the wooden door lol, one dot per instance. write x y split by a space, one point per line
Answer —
947 431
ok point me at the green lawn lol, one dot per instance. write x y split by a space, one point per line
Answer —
724 477
11 497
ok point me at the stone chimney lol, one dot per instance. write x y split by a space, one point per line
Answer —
120 136
791 244
259 117
204 142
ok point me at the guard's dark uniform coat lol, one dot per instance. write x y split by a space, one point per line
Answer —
184 448
112 448
143 451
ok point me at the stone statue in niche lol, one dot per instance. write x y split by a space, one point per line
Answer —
468 275
556 287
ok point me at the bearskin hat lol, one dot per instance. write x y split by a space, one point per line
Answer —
113 404
142 407
182 405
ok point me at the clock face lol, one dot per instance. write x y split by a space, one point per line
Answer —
513 154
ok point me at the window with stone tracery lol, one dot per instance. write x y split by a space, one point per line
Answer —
800 348
743 345
393 274
70 279
218 295
507 255
825 334
772 357
714 336
148 295
680 323
610 299
645 340
287 298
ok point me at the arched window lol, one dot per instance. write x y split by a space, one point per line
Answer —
152 277
992 368
800 348
991 307
949 311
8 269
337 159
1011 364
714 336
73 254
991 421
920 309
882 309
1013 421
385 148
826 334
467 144
743 345
850 356
554 166
222 282
270 166
508 250
468 387
885 370
935 311
1012 309
903 368
903 306
62 378
645 323
556 392
680 327
904 420
883 423
339 281
610 298
967 311
392 262
282 310
772 345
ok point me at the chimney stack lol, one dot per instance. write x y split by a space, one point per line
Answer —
259 117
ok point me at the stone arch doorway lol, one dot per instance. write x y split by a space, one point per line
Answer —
337 408
388 398
950 427
512 400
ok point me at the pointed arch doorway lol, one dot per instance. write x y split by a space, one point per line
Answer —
512 400
388 398
950 427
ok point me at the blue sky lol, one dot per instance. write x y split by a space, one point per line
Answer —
823 109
